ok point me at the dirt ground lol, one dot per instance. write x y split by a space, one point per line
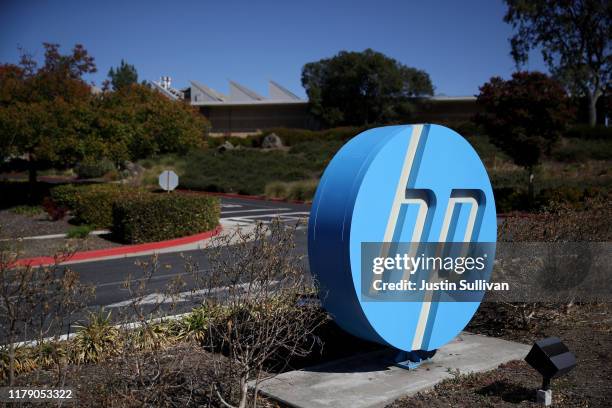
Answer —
181 375
16 226
585 329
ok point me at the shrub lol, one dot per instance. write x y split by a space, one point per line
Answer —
291 137
96 340
244 171
65 196
571 197
54 211
79 231
578 150
91 204
563 223
92 168
302 190
276 189
196 324
155 217
510 199
589 132
94 203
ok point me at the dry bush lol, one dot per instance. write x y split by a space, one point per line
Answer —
562 223
553 236
36 302
256 316
257 283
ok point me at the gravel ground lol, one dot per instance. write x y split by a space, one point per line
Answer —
50 247
15 226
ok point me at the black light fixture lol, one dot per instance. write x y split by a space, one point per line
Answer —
551 358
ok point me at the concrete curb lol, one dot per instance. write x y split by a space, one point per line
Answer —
123 251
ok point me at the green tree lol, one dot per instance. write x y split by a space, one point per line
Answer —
524 116
122 76
136 121
44 110
356 88
575 37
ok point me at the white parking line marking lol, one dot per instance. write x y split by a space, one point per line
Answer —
231 206
303 213
256 210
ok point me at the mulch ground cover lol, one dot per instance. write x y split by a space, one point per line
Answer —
182 374
586 329
15 226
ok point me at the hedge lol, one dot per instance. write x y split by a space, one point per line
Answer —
292 137
91 204
65 195
142 218
94 206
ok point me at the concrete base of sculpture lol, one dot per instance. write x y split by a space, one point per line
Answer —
374 379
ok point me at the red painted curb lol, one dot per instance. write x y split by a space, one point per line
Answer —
244 196
123 250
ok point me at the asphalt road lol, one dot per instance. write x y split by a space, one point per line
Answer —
109 276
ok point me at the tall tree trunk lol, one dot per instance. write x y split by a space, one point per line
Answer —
530 191
32 175
592 98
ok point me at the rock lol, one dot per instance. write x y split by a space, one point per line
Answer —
272 141
133 169
225 146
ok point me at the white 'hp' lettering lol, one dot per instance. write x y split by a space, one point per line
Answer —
402 198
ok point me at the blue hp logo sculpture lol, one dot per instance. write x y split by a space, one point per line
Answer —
400 191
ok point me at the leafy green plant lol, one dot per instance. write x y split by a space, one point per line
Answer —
94 168
79 231
24 361
196 324
150 337
66 195
276 189
97 339
151 217
27 210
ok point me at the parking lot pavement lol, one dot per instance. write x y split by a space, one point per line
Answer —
108 276
245 212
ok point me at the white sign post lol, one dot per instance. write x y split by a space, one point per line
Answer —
168 180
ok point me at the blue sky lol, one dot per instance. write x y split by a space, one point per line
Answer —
461 44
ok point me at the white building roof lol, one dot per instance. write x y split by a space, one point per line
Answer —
239 94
